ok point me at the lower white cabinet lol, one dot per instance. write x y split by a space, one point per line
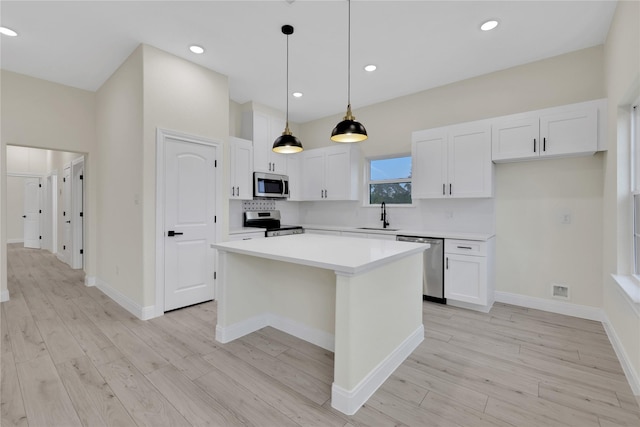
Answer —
469 273
247 235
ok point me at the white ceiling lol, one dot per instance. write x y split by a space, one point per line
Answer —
416 45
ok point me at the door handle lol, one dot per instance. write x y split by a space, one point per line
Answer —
172 233
68 222
24 216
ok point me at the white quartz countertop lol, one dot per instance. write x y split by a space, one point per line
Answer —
341 254
404 232
245 230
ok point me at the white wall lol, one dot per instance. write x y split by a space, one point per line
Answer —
49 116
622 66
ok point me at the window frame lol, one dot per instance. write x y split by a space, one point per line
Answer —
367 180
634 146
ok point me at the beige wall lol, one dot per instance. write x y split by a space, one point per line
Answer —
50 116
151 90
119 112
533 249
622 77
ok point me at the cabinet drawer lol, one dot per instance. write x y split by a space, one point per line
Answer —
465 247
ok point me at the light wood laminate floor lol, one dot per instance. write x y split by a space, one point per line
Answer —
71 356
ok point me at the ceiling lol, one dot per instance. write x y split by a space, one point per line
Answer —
416 45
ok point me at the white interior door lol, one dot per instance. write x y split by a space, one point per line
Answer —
189 213
31 213
77 213
67 241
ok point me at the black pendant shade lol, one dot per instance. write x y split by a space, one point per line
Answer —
287 143
348 130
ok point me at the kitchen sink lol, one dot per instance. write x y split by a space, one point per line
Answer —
378 228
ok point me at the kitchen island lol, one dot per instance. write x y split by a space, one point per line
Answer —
360 298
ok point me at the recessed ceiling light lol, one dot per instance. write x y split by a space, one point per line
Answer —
8 32
370 67
489 25
196 49
297 94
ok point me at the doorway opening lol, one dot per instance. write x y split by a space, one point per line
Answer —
43 203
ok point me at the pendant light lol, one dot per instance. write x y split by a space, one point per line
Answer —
287 143
348 130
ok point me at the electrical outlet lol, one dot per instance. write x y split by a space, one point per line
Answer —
565 218
560 291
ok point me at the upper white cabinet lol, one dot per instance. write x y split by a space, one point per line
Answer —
263 129
554 132
294 165
331 173
241 170
452 162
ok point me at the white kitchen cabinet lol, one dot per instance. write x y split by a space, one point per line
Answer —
469 273
241 170
331 173
263 130
553 132
452 162
246 235
294 164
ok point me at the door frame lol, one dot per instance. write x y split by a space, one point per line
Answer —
50 233
162 135
77 207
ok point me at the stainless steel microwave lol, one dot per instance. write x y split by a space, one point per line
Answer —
270 186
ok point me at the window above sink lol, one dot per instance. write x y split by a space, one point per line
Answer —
388 180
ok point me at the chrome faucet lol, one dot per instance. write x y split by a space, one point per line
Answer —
383 216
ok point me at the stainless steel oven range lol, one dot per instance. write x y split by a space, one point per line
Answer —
270 221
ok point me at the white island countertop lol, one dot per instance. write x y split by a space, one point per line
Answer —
342 254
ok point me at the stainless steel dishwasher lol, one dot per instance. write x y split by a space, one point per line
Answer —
433 274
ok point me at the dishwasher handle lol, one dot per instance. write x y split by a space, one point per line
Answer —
433 241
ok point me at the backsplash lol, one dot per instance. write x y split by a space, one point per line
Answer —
258 205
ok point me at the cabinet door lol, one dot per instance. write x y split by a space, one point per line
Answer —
429 174
470 171
261 145
295 180
241 169
278 161
337 181
573 132
313 172
465 278
515 139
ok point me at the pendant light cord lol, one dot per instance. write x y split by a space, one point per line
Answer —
349 54
287 123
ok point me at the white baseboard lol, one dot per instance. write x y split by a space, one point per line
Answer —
559 307
142 313
632 376
318 337
239 329
349 401
583 312
15 241
469 306
4 295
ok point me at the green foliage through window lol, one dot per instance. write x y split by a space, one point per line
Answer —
390 180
